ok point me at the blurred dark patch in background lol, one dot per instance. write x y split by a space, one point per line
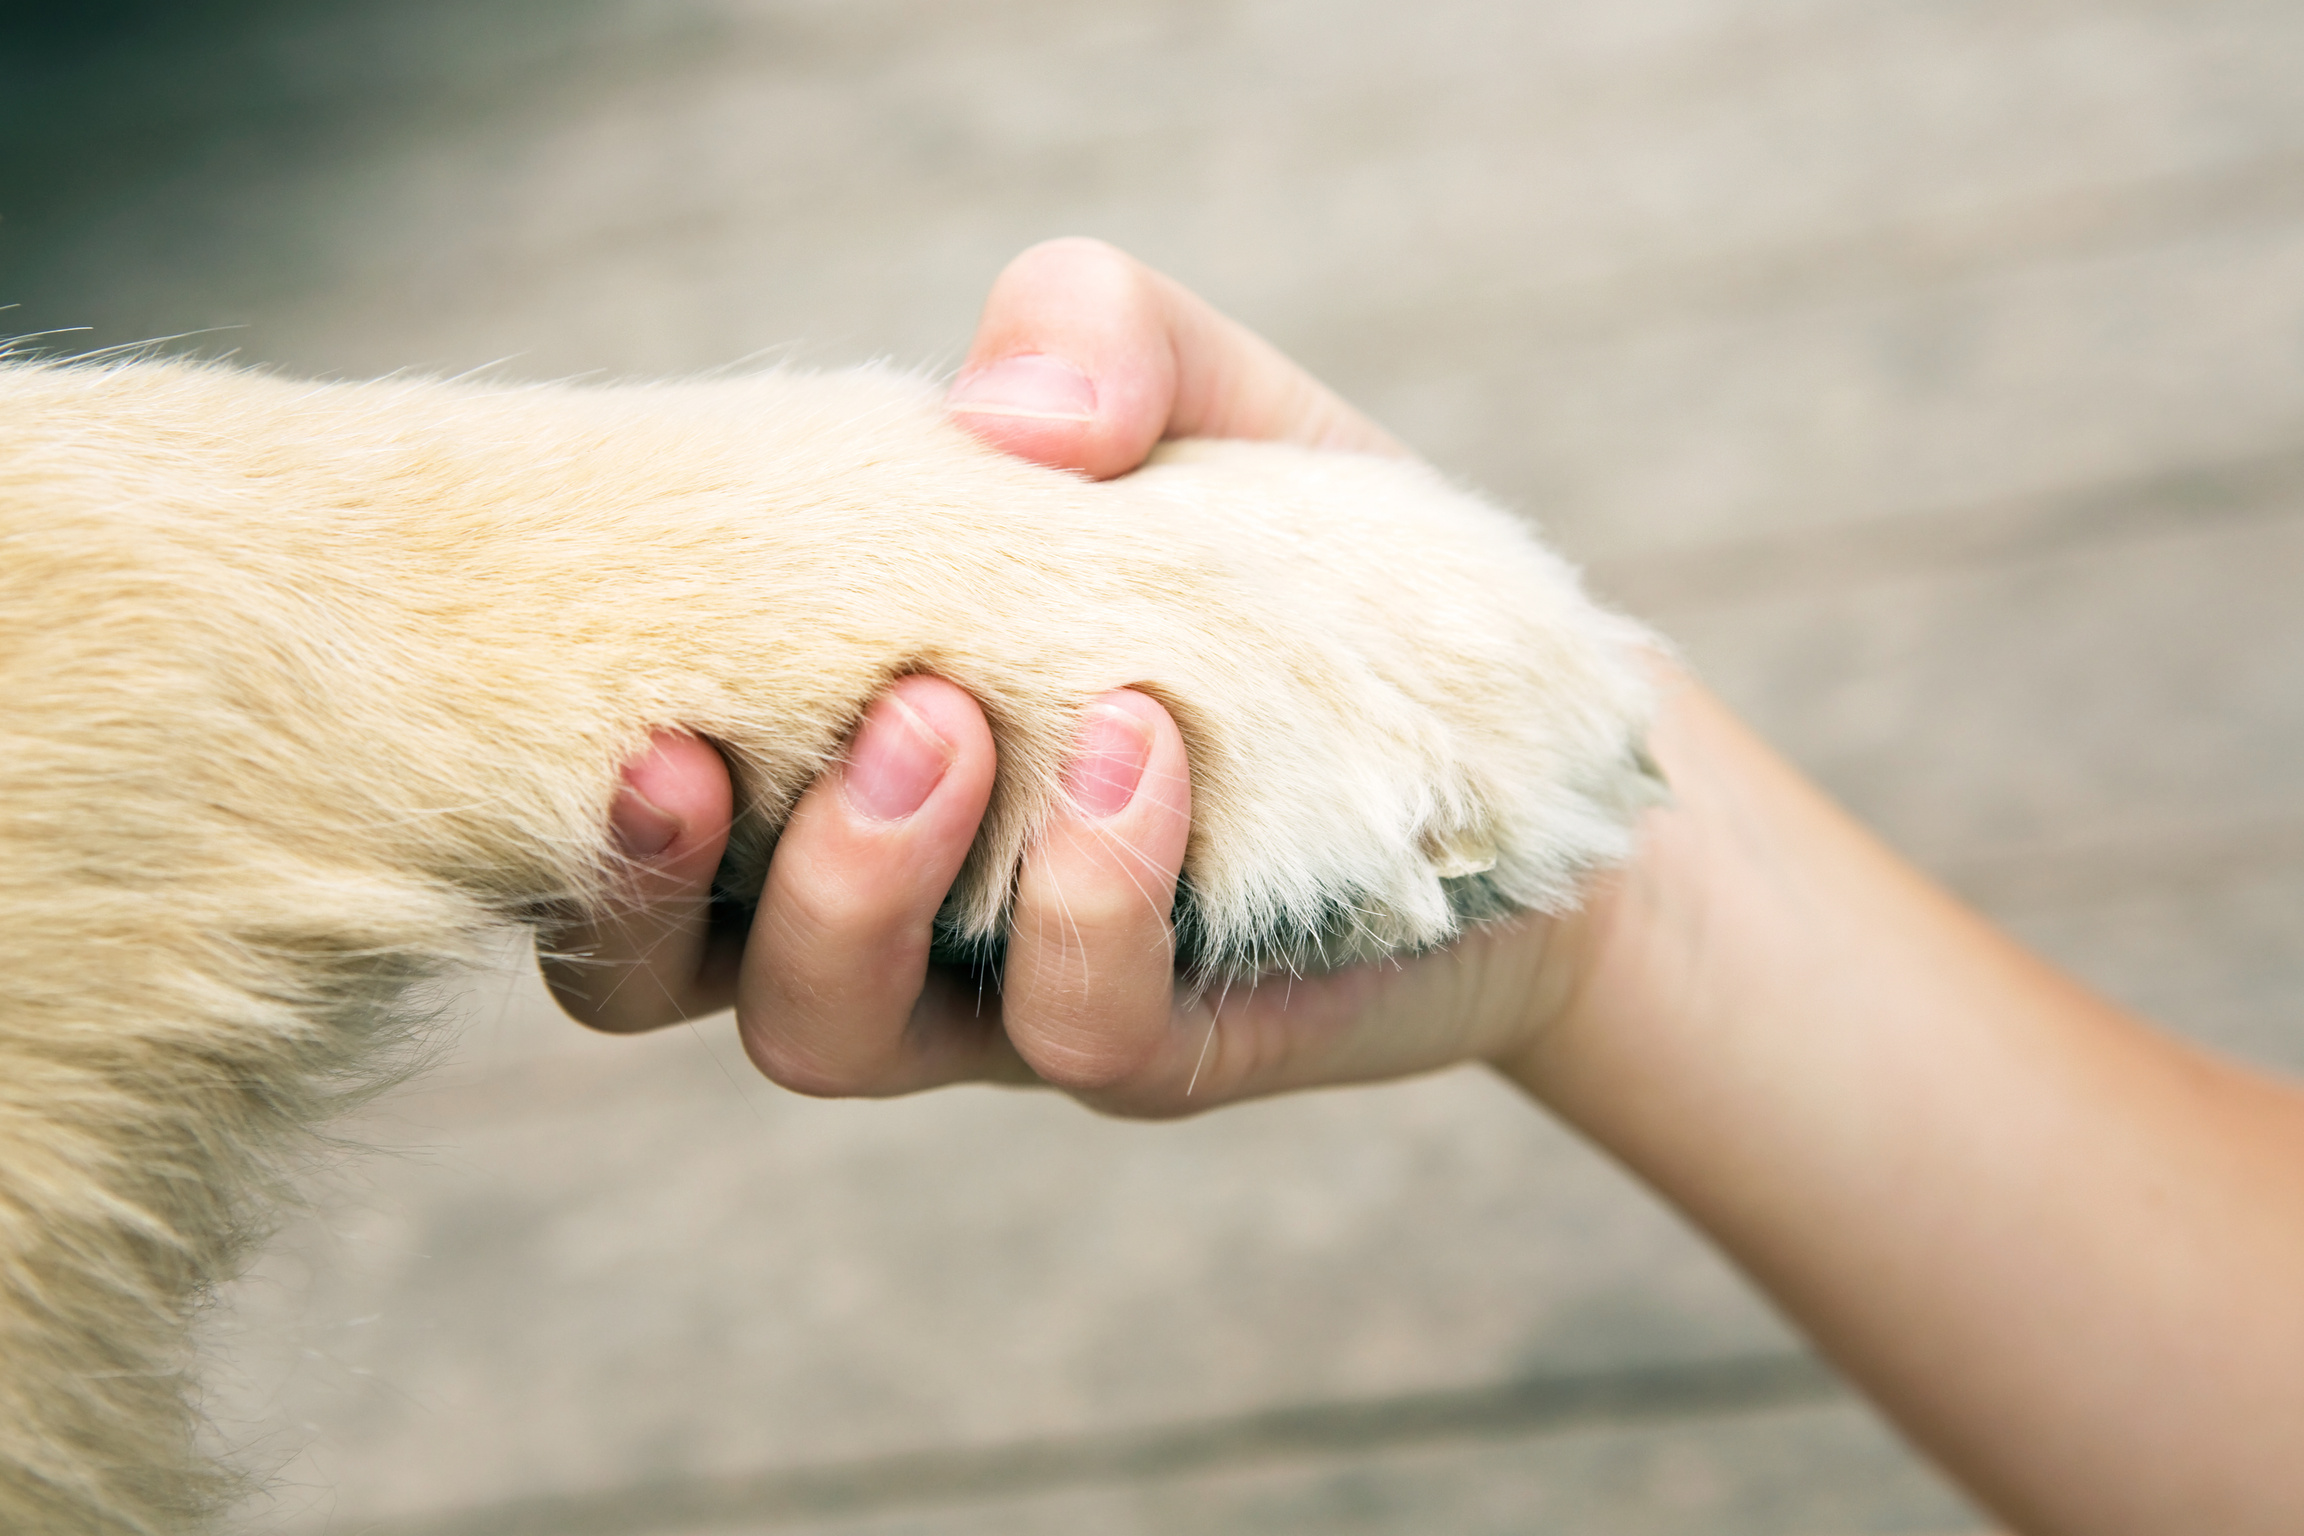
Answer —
48 34
124 100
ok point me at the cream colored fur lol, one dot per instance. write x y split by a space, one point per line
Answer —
304 687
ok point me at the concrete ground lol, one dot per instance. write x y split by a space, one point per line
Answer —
1933 373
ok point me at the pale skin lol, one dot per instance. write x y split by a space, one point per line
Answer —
2063 1250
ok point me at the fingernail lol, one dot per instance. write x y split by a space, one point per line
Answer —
1114 746
897 759
643 829
1034 385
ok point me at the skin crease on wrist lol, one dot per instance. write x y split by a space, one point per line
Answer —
2062 1250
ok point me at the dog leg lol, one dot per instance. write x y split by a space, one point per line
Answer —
306 686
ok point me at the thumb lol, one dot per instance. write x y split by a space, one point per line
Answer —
1085 358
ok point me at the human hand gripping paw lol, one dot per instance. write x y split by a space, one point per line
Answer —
1085 360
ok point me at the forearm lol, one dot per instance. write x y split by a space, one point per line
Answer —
2063 1250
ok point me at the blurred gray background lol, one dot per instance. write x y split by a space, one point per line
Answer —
1933 372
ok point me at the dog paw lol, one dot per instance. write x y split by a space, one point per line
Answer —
1413 718
1403 712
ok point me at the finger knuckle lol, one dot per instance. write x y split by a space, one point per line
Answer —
799 1065
1084 1055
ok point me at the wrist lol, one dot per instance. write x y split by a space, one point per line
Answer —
1600 958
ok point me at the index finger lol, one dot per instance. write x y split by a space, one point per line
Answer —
1085 358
